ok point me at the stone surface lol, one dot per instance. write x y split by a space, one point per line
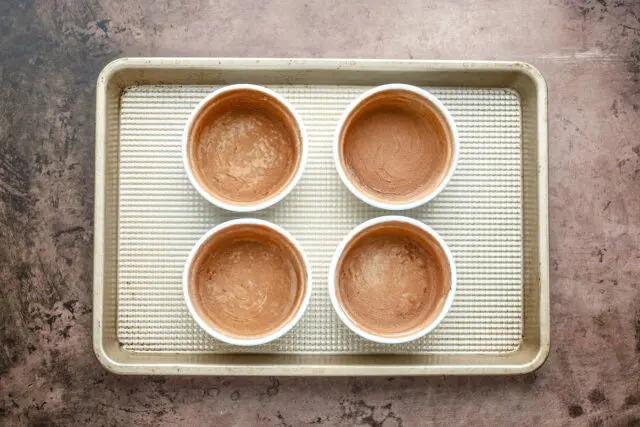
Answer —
50 55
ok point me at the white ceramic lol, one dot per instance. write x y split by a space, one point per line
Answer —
231 340
332 280
303 155
432 100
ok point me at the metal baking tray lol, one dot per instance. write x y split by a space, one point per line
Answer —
493 215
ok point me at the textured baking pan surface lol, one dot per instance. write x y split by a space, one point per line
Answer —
162 216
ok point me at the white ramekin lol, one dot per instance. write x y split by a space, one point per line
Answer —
236 341
340 251
430 98
304 154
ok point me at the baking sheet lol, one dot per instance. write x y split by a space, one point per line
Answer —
492 214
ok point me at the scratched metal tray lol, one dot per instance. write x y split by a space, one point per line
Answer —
493 215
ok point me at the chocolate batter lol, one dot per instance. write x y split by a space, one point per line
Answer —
245 147
393 280
396 147
247 281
